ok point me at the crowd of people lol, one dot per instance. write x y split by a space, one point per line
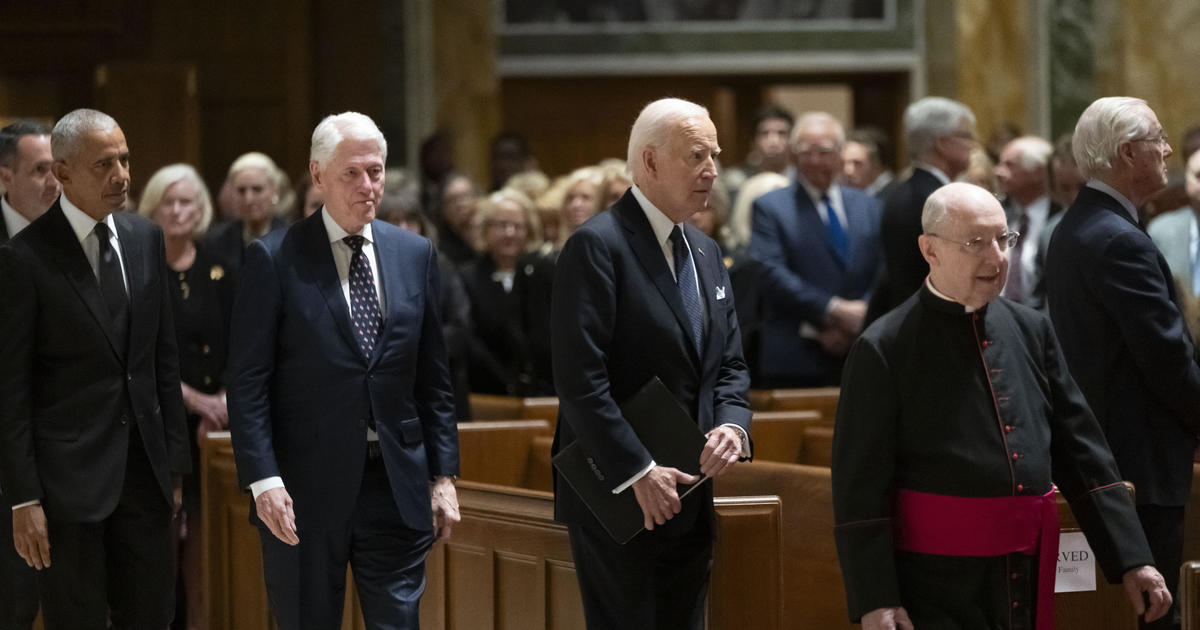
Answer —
816 231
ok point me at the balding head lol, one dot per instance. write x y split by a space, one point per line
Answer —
965 243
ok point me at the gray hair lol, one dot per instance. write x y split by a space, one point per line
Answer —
1033 152
164 178
815 119
1103 127
653 127
67 137
931 118
347 125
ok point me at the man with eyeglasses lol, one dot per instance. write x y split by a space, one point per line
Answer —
956 412
818 244
1116 309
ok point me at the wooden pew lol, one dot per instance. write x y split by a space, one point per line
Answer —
1189 595
498 451
493 407
817 447
779 435
507 566
820 399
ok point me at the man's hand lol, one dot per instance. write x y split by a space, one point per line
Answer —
1147 579
835 341
30 537
275 509
887 619
847 315
445 507
721 452
656 494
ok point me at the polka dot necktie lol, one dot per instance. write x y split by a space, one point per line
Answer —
364 303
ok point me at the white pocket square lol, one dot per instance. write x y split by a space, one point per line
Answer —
720 293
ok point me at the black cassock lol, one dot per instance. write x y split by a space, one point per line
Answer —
935 399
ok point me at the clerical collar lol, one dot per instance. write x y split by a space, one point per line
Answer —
946 298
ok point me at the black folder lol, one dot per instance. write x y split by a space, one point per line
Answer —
666 430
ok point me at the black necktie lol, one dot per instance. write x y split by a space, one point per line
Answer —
112 285
685 280
364 303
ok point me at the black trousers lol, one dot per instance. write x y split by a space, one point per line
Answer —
307 583
119 569
653 582
1164 531
18 582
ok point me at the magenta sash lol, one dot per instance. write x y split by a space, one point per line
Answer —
984 526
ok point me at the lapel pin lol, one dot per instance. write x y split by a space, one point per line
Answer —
720 293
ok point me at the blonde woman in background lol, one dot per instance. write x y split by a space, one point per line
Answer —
256 184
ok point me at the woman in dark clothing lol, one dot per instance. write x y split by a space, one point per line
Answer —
258 186
498 354
201 296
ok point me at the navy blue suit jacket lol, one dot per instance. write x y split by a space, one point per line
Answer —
1115 309
301 392
616 322
801 273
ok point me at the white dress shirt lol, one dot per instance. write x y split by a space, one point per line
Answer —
13 220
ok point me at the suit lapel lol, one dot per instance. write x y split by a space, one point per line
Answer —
318 255
137 268
650 255
69 256
386 249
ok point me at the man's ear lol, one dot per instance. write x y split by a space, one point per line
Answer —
650 162
1125 152
6 176
925 243
314 171
61 172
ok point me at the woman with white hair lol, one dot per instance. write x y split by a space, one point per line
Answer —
202 299
258 186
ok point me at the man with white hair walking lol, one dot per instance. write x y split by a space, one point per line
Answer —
1024 175
1115 308
340 401
640 293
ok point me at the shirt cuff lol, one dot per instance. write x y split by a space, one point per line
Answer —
26 504
745 439
629 482
262 485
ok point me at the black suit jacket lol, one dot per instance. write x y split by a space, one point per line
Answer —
70 394
1115 309
227 242
617 321
900 225
301 392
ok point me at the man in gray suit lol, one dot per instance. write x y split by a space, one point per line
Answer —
1177 237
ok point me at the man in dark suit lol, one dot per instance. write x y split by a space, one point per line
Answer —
818 243
637 294
1116 310
867 162
29 190
93 441
940 134
340 401
1023 174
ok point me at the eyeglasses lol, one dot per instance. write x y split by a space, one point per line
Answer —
1160 140
979 244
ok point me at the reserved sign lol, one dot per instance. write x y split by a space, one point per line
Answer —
1076 564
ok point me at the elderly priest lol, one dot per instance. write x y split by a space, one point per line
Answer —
956 413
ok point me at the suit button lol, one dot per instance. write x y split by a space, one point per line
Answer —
129 378
1015 455
1016 604
1008 427
1020 487
124 420
206 349
208 380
